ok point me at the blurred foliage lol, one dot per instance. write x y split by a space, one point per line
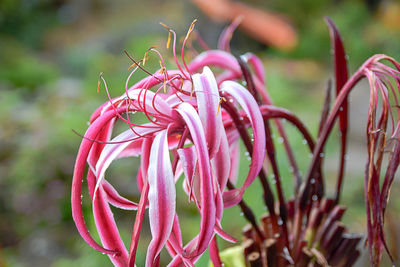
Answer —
51 53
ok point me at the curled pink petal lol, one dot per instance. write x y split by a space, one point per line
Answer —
79 169
207 203
250 107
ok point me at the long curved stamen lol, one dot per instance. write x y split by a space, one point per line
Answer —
112 104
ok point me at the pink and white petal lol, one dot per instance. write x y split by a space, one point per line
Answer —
207 201
221 163
207 96
108 230
232 197
215 58
235 161
103 136
214 253
80 164
115 199
162 196
226 35
112 151
249 105
224 235
257 65
188 160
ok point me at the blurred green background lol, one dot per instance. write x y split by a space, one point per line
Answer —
51 53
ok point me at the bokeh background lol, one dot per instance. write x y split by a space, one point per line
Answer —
51 54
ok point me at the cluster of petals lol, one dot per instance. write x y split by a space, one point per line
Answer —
188 136
192 134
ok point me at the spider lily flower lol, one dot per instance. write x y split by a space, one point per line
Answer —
186 119
196 120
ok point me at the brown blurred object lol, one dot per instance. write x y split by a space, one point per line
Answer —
389 14
266 27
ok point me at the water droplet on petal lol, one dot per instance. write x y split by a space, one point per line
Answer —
314 197
304 142
321 155
280 140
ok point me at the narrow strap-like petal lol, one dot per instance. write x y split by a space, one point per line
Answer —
76 192
113 150
208 211
188 159
207 96
162 196
108 230
216 58
249 105
115 199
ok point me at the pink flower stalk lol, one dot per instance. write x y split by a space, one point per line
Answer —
184 117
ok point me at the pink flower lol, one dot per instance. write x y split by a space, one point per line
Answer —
184 113
195 121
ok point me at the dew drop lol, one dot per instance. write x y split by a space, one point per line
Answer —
241 118
244 83
249 158
231 100
346 156
241 214
247 153
321 155
280 140
312 181
291 169
341 108
273 176
314 197
280 222
304 142
88 123
310 155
